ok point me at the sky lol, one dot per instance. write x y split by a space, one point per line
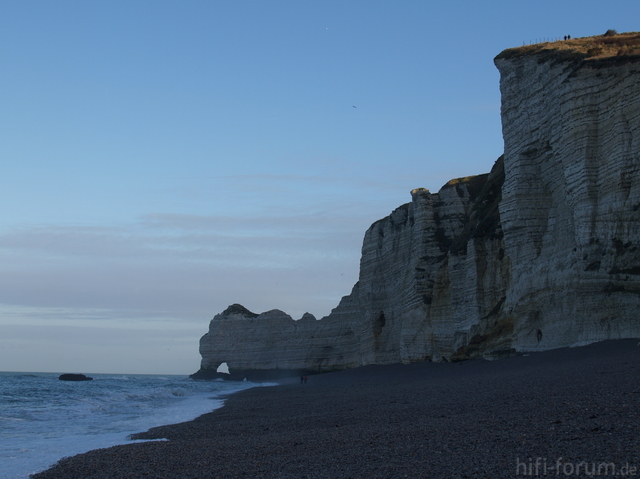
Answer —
163 160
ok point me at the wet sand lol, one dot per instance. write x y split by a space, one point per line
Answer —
556 413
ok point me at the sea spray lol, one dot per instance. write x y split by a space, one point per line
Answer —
43 419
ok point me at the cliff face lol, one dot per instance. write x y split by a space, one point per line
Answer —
540 253
258 346
571 198
429 272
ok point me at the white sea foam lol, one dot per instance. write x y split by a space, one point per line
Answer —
44 419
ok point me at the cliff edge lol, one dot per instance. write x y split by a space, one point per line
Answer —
540 253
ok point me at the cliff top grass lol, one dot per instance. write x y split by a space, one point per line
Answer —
464 179
599 47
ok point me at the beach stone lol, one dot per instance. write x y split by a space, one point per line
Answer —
423 420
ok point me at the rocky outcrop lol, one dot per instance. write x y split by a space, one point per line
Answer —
540 253
423 268
272 344
74 377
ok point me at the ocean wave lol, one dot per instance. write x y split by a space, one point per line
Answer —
179 392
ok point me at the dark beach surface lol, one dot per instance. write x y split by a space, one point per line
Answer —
556 413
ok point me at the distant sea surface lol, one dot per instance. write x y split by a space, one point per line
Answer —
43 419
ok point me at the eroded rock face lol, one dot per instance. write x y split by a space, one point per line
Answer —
571 198
430 270
540 253
423 270
268 345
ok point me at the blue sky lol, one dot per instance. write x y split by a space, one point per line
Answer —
162 160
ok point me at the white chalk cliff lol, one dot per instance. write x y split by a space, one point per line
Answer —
542 252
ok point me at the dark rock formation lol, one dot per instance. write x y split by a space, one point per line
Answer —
74 377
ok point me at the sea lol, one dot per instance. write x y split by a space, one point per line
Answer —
43 419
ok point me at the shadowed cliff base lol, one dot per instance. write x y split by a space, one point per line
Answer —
424 420
254 375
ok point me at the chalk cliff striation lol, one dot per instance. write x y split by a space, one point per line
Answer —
540 253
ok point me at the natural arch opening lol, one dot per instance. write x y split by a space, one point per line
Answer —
223 368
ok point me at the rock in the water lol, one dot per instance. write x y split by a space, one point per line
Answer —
542 252
74 377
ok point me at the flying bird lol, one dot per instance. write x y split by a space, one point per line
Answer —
354 106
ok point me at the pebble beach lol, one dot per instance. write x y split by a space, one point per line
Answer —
571 412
